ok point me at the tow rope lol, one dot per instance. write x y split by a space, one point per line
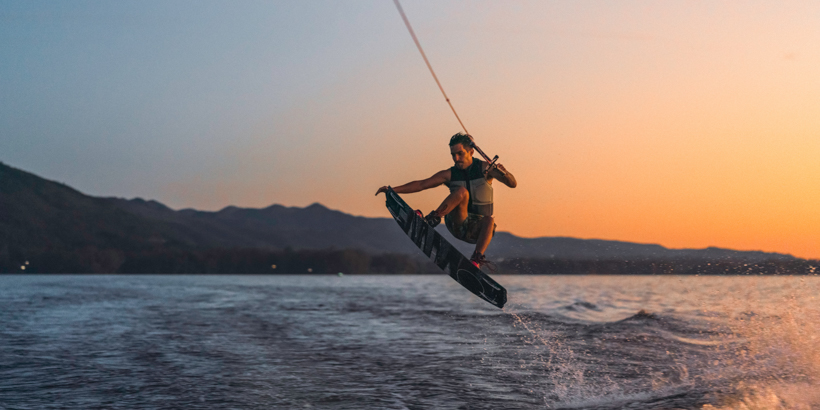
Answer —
430 67
426 61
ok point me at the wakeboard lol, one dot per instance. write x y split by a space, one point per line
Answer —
443 254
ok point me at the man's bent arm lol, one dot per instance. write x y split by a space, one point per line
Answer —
438 179
506 177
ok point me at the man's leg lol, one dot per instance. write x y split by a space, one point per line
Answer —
485 235
455 203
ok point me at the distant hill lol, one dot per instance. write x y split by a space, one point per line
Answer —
38 216
511 246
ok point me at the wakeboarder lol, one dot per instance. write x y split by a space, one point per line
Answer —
468 210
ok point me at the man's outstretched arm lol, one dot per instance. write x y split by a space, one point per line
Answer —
436 180
506 177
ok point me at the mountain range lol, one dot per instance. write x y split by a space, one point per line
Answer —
38 215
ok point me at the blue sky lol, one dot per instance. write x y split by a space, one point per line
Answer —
121 98
688 124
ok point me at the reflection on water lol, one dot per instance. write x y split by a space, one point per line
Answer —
408 342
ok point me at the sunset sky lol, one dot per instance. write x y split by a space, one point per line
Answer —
683 123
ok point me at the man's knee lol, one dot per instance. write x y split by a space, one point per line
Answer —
462 193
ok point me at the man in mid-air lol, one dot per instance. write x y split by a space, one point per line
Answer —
468 210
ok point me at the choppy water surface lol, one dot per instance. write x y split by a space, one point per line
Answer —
408 342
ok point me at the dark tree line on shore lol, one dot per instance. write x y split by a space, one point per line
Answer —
660 267
260 261
252 261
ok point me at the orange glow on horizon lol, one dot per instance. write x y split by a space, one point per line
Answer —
687 125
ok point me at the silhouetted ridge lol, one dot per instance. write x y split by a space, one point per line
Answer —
76 232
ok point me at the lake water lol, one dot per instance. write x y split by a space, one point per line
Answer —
408 342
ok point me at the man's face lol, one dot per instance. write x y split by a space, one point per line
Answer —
462 157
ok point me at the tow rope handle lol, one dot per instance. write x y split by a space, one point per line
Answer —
491 162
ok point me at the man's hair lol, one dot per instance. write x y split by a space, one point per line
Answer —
462 139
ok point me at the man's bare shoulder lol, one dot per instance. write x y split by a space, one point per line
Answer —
446 175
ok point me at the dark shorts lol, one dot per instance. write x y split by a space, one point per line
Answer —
469 230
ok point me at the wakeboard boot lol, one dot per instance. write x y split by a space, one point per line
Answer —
480 261
433 219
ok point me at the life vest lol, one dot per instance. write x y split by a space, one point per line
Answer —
480 190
